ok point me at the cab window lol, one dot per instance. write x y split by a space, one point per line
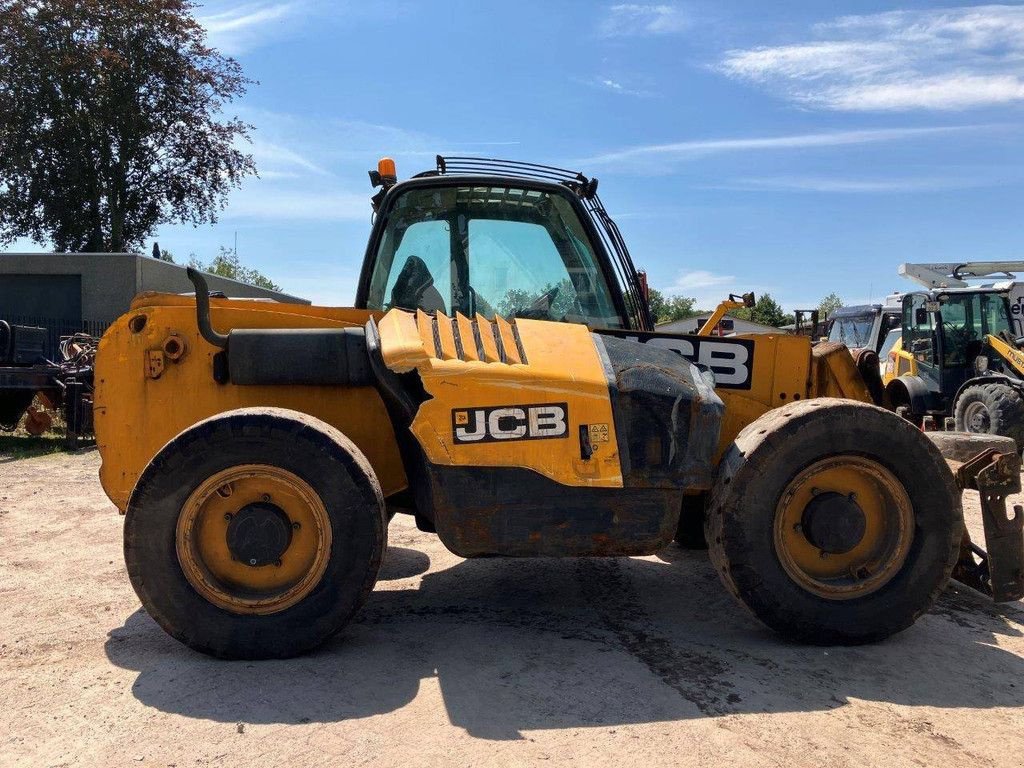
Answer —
490 251
966 319
918 334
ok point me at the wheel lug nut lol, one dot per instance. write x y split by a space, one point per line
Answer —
265 497
296 526
823 555
277 563
797 527
228 516
253 561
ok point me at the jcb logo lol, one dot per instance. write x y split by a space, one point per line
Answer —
730 360
510 422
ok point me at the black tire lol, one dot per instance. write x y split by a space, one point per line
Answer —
995 409
314 451
756 470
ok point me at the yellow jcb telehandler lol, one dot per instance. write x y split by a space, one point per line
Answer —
500 378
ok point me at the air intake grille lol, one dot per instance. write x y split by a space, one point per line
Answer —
479 339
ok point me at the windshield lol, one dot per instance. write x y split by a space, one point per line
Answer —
492 251
853 331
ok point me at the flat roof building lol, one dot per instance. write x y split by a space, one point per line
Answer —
71 292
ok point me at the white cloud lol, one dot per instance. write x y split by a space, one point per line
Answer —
844 185
938 59
707 287
679 151
274 158
615 85
239 28
629 19
700 278
258 200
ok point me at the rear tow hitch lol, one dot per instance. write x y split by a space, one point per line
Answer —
1000 572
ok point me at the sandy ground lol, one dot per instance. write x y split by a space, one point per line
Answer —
642 661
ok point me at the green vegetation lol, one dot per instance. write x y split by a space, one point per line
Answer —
670 308
227 264
14 446
114 122
766 311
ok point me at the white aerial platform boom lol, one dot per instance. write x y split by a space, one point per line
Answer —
955 274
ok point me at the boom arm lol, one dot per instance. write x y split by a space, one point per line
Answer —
955 274
746 300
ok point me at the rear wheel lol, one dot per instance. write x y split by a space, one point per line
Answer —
995 409
255 534
834 522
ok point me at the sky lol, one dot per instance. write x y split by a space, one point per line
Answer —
796 148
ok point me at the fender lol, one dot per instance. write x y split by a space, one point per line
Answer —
909 390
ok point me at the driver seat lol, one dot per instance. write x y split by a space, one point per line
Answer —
414 288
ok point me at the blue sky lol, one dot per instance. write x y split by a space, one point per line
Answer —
797 148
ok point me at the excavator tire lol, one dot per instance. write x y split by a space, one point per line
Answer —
255 534
995 408
834 521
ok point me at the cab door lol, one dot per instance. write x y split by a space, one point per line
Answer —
919 337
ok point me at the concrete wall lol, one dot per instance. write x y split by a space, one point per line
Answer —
170 278
108 280
111 280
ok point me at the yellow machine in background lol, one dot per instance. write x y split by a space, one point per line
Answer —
958 358
501 380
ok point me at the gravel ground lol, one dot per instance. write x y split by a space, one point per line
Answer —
641 661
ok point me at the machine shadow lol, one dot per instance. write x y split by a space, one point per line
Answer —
519 645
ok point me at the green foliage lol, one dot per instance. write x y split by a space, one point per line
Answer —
666 310
829 304
227 264
161 254
765 311
113 122
518 301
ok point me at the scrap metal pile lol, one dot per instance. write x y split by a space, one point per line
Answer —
32 385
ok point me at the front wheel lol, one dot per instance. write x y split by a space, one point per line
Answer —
255 534
834 522
993 409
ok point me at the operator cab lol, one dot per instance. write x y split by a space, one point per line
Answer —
945 332
863 326
490 238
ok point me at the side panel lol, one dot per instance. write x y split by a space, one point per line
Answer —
539 438
144 397
503 395
757 372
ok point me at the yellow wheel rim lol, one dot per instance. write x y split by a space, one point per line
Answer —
843 527
215 570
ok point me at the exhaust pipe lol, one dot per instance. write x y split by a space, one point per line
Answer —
203 310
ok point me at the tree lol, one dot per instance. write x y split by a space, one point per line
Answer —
829 304
111 122
227 264
666 310
768 312
162 254
765 311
